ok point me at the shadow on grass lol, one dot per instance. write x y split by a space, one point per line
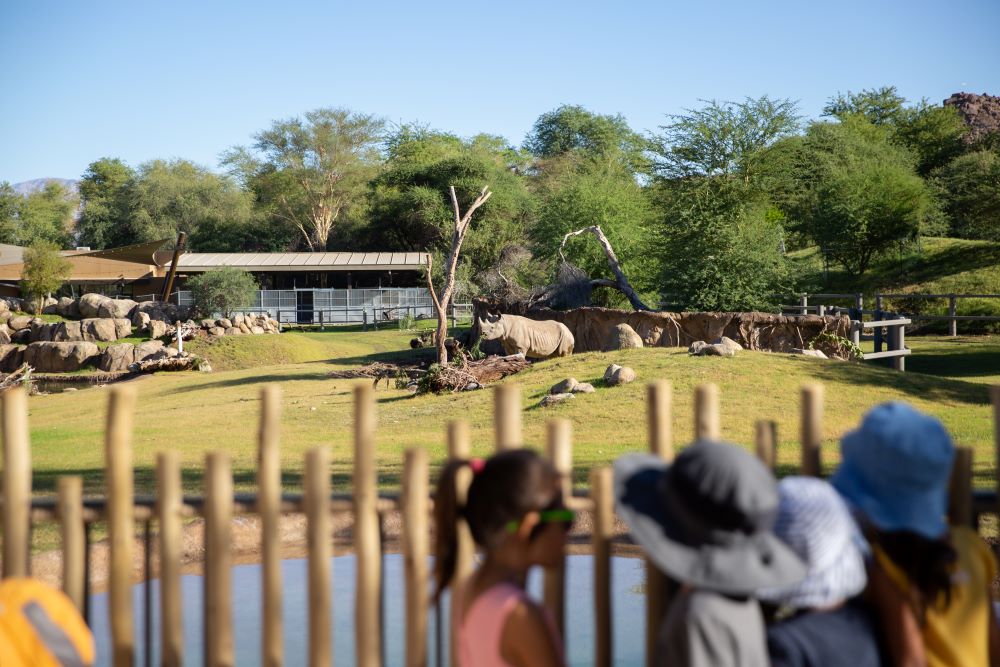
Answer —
263 378
956 362
916 384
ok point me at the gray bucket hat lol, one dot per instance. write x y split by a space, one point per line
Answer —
706 519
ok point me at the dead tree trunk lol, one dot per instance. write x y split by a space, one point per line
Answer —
443 299
621 282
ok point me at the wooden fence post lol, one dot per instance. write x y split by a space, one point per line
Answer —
766 442
415 548
507 416
804 304
960 488
559 447
168 505
458 449
218 576
812 429
859 303
268 507
952 312
121 525
601 490
368 596
317 500
16 483
658 415
71 527
899 363
706 412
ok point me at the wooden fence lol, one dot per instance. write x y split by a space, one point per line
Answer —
122 510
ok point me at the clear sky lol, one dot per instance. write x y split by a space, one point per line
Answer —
85 79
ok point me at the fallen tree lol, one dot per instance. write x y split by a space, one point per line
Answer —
620 282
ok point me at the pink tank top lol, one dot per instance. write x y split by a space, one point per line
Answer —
480 632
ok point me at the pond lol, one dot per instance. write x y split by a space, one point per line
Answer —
627 579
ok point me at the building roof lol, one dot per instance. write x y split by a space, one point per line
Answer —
304 261
11 254
140 253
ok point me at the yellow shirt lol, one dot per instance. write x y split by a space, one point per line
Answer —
958 636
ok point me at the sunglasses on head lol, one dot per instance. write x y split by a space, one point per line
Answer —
554 513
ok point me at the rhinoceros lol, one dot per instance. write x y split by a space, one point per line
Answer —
538 339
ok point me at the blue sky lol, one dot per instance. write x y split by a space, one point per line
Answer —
80 80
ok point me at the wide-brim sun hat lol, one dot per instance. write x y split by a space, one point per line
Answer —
815 522
706 519
895 470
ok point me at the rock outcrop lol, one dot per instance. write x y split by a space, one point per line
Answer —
981 114
51 357
117 357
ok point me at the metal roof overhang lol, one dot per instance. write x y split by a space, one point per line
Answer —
304 261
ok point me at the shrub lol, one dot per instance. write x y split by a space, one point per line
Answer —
833 345
45 270
222 291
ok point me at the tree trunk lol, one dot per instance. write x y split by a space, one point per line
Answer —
621 282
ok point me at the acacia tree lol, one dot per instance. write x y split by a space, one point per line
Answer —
442 298
310 171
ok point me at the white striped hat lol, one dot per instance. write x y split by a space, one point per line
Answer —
814 521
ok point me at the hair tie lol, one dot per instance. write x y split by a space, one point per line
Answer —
476 465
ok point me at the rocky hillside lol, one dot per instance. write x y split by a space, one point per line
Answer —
980 112
25 188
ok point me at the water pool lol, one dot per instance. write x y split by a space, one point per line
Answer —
627 579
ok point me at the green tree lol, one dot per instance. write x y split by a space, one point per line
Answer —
223 290
574 129
725 139
933 133
106 209
880 106
10 205
860 193
47 215
310 172
44 272
970 187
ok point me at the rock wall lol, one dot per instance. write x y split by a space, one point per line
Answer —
593 328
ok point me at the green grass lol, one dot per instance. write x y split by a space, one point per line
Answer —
195 413
939 266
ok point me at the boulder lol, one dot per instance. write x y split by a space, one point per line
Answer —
20 322
50 306
729 345
244 328
11 358
216 331
68 308
723 347
117 357
622 337
41 331
171 351
583 388
207 324
819 354
100 328
140 319
4 306
158 329
615 375
151 349
5 316
239 319
564 387
225 323
116 308
554 399
123 327
90 305
256 330
50 357
65 332
4 336
233 331
22 337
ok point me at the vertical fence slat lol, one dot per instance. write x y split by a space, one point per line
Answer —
368 597
812 429
995 399
168 505
268 504
458 449
218 576
16 483
960 488
415 536
317 498
559 445
71 527
121 525
658 415
507 416
601 492
706 412
766 442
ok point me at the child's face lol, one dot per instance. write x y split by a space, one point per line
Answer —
549 536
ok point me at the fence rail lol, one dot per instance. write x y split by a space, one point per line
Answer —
122 510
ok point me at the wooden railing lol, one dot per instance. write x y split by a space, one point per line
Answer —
122 510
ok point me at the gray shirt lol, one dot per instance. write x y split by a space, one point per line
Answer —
706 629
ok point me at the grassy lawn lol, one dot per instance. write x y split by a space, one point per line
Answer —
198 412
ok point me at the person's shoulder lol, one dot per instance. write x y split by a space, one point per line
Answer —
966 540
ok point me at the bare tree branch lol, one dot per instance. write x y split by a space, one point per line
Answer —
621 281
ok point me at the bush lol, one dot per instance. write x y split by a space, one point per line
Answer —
45 270
222 291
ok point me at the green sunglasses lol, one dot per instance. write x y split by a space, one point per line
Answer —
547 516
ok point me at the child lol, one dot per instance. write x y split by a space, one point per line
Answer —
516 515
706 520
929 583
829 625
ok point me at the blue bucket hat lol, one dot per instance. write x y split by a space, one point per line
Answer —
895 470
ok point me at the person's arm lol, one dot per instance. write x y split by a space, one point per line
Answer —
527 639
898 623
